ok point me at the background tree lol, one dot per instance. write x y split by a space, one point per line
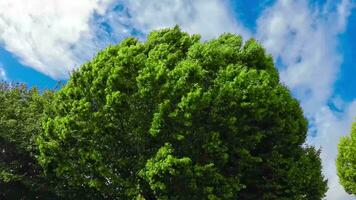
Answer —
21 110
177 118
346 161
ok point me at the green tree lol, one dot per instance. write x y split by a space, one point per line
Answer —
346 161
21 110
177 118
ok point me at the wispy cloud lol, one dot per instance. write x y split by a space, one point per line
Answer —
303 39
2 73
300 38
208 18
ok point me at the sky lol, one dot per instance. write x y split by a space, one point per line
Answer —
313 44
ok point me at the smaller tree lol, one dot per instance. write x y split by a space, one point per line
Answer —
346 161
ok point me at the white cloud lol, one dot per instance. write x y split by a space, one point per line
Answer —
46 34
303 39
208 18
2 73
54 36
344 11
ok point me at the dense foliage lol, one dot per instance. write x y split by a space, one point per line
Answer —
20 121
346 161
177 118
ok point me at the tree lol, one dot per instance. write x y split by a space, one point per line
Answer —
177 118
21 111
346 161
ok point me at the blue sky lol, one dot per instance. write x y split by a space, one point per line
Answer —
346 84
17 72
313 44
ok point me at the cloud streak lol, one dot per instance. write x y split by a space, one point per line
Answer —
2 73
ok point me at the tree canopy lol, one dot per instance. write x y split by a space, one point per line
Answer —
346 161
175 117
21 112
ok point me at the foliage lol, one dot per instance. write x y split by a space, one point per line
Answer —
177 118
20 121
346 161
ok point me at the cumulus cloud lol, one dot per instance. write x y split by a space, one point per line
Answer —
46 35
303 39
